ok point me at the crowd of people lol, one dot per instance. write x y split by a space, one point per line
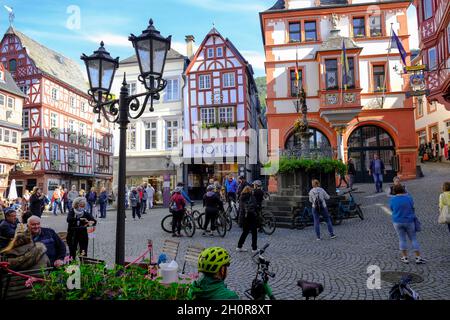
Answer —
434 151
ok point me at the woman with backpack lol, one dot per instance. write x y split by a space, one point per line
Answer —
135 203
176 207
212 204
249 205
318 197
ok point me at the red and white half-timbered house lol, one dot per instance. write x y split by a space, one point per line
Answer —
58 124
221 105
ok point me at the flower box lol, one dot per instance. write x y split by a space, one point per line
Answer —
54 131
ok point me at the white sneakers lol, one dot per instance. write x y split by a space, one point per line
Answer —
241 250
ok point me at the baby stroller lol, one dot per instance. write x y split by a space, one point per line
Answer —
403 291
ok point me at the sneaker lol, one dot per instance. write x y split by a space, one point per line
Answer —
404 260
204 234
211 234
420 260
241 250
318 239
333 236
255 251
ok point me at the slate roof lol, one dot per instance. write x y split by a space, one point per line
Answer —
279 5
51 62
9 85
171 55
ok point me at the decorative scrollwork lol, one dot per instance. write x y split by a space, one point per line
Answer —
135 105
112 114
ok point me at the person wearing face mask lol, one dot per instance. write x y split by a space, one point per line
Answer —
79 219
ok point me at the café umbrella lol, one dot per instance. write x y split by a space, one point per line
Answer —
12 190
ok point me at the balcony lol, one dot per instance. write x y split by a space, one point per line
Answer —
104 169
429 27
340 106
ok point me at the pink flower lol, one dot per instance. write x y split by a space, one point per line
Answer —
29 282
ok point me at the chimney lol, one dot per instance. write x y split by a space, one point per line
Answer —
190 46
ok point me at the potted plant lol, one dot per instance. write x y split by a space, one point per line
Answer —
72 136
55 164
83 139
72 164
55 131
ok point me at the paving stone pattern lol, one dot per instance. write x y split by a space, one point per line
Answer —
340 264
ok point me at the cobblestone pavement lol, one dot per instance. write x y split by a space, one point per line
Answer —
340 264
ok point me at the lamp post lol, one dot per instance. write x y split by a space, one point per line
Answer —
151 51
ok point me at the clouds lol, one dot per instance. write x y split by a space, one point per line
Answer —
256 59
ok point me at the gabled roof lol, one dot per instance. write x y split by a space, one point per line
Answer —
10 86
51 62
171 55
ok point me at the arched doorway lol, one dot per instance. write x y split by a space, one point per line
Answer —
318 140
366 141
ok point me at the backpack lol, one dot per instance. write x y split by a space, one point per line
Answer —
317 203
173 206
249 207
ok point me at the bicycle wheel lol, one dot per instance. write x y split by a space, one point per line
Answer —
195 216
359 212
231 210
298 222
228 220
221 226
336 219
166 223
268 223
188 225
201 220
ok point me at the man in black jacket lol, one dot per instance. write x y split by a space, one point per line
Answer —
56 249
37 202
212 204
8 227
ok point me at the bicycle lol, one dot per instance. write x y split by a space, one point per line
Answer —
266 222
194 214
349 208
304 218
221 223
233 209
187 224
260 285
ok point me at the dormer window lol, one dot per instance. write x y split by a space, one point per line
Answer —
12 65
219 52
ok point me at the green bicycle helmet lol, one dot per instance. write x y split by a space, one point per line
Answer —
212 259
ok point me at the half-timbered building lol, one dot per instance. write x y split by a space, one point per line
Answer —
221 105
365 115
11 101
58 125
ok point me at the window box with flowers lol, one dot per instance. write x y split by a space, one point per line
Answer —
225 125
54 131
54 164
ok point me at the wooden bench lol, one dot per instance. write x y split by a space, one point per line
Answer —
191 256
86 260
170 248
13 287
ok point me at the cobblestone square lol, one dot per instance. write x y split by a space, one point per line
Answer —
340 264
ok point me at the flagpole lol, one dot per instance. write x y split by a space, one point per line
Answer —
383 98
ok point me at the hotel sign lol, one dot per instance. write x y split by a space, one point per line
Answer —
215 150
24 166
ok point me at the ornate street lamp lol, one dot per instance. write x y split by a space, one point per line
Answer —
151 50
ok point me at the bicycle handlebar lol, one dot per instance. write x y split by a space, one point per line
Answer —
261 251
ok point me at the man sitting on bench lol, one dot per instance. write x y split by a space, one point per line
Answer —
56 249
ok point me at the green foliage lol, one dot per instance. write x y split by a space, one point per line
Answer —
326 165
99 283
219 125
262 90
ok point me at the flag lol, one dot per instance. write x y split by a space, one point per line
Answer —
397 44
344 63
297 74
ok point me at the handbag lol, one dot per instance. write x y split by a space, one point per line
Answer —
417 224
444 213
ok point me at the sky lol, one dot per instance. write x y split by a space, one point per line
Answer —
73 27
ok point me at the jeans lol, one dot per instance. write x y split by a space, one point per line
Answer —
143 206
150 203
69 204
378 179
326 216
351 178
103 210
249 225
448 225
404 231
77 238
91 207
136 211
57 204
